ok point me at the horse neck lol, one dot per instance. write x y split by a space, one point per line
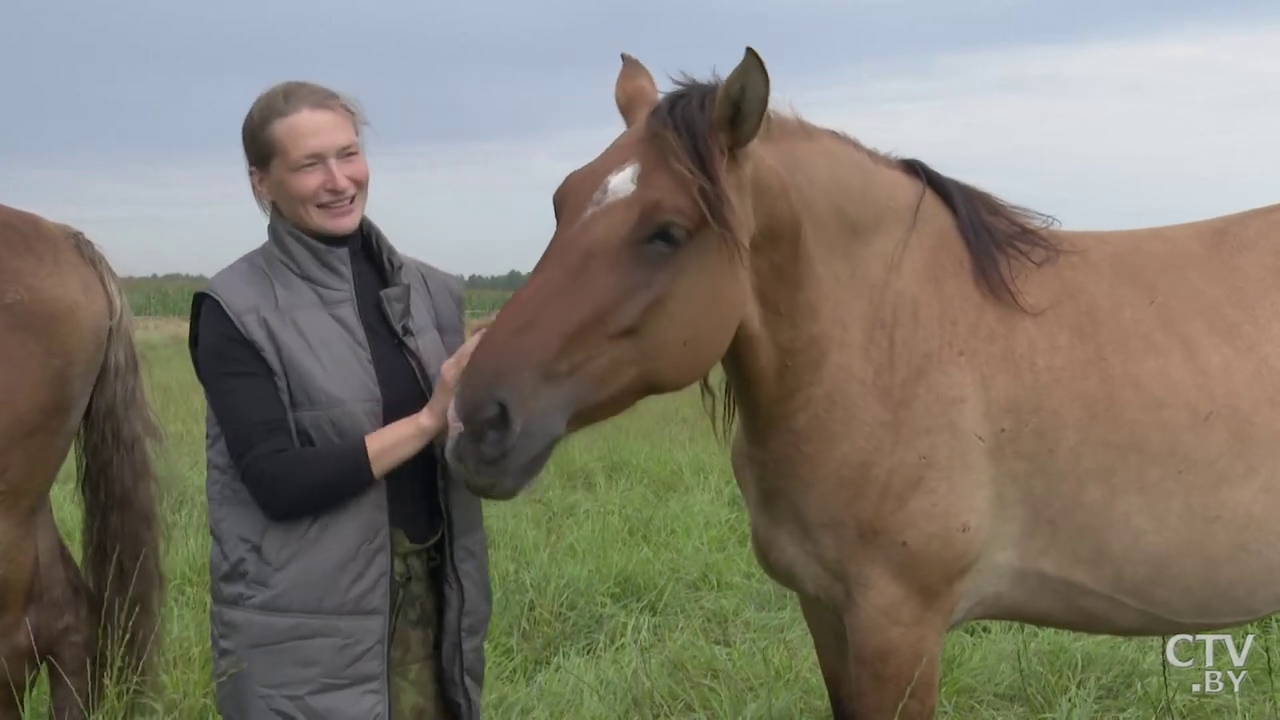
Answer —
846 281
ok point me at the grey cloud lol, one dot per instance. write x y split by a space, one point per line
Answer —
159 79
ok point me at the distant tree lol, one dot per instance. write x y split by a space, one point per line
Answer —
510 281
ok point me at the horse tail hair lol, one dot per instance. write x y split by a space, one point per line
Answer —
118 485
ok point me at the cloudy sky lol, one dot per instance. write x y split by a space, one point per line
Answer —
124 117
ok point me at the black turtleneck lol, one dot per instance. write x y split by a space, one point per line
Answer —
291 482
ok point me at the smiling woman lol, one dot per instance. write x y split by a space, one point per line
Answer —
343 549
308 163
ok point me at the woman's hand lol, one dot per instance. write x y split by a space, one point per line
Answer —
435 413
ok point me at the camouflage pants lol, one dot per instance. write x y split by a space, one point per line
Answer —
415 654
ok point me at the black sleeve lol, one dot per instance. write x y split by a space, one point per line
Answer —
287 482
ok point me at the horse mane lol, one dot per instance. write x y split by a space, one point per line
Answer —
995 232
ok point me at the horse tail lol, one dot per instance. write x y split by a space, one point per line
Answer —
119 490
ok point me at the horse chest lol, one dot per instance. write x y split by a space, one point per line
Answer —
778 540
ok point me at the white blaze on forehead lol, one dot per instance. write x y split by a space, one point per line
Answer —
620 184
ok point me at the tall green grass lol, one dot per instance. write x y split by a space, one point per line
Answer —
170 296
163 296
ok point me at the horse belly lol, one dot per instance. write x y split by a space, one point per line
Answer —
1144 561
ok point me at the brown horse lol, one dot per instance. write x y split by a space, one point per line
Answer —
68 365
946 409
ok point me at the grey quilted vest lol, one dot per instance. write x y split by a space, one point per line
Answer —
300 609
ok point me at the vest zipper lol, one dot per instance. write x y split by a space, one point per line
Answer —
464 699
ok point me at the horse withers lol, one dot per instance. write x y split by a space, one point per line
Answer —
946 409
68 367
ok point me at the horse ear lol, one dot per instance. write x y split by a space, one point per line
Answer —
635 92
742 102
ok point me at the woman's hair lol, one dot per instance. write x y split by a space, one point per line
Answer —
277 103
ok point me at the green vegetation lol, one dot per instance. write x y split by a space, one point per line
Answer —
170 295
624 587
508 282
485 302
162 295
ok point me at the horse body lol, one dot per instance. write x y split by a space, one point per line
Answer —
68 366
1099 466
1107 464
1128 434
1086 441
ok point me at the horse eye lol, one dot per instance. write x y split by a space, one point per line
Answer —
664 237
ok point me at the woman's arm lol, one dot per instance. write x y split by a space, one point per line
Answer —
288 482
393 444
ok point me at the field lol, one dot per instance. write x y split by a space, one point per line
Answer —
169 296
625 588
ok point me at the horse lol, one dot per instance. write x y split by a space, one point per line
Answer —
945 407
69 373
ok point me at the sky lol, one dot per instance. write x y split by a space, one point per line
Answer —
123 118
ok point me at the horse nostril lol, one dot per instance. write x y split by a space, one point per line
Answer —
494 427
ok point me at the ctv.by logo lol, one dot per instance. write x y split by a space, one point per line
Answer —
1213 683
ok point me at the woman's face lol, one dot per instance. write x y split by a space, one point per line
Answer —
319 178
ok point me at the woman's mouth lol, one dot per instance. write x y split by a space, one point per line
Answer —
338 204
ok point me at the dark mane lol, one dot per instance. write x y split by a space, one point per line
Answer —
995 232
682 123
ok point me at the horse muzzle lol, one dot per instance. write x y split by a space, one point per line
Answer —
497 451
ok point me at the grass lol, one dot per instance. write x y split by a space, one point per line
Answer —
624 587
170 296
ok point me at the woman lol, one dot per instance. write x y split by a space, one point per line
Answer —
349 571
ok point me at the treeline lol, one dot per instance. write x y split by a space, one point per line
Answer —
169 295
509 282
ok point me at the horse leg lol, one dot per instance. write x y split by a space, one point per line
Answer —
65 635
19 667
19 664
18 672
895 642
830 640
